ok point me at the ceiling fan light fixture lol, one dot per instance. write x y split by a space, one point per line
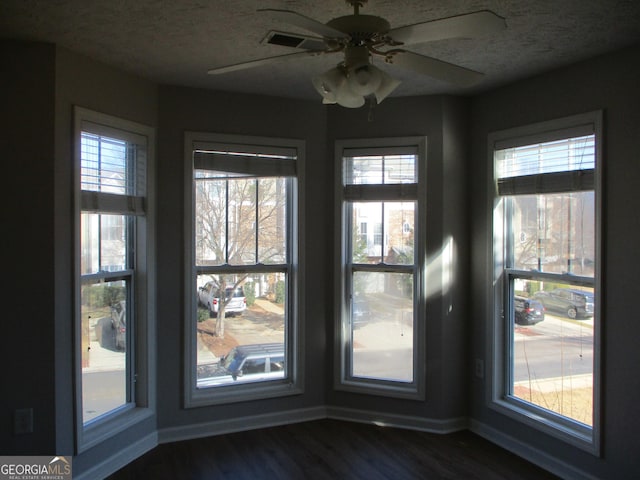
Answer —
349 88
349 99
329 84
387 85
364 79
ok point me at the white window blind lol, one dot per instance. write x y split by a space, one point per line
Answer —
547 167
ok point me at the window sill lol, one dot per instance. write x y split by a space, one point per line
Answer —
369 387
573 433
116 422
201 397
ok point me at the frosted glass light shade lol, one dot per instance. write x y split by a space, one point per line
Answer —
364 80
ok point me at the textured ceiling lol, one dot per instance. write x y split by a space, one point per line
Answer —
177 41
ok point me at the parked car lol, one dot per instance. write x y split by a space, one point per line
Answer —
119 323
249 363
361 314
570 302
209 296
527 311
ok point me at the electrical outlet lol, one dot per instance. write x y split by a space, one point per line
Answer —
479 368
23 421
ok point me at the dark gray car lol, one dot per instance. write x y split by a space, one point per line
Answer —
571 302
527 311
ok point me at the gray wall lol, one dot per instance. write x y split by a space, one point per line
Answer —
27 145
609 83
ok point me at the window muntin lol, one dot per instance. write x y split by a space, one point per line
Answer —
547 277
111 295
243 229
380 313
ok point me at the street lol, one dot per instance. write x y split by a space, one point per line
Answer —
390 364
556 347
102 392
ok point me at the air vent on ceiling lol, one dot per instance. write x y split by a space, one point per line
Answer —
295 41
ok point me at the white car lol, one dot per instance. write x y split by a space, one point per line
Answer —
209 296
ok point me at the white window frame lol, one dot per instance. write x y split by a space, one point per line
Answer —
293 383
141 354
343 380
499 337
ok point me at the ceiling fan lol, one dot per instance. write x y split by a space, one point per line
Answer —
360 38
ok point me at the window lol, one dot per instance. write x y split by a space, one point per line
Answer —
380 314
243 268
546 244
113 286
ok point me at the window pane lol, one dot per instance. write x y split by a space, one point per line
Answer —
383 228
380 169
553 347
104 348
210 221
240 221
554 232
241 330
272 220
103 243
558 156
382 326
111 165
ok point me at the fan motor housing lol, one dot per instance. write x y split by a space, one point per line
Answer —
361 28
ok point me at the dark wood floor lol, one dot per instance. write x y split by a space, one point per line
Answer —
331 449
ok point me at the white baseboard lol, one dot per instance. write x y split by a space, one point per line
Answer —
118 460
220 427
399 421
533 455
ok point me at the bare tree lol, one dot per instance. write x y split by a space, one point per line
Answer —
240 221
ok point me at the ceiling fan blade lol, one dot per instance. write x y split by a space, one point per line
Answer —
258 63
470 25
437 69
309 24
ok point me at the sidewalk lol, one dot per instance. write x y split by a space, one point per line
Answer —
104 359
558 384
383 335
269 306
